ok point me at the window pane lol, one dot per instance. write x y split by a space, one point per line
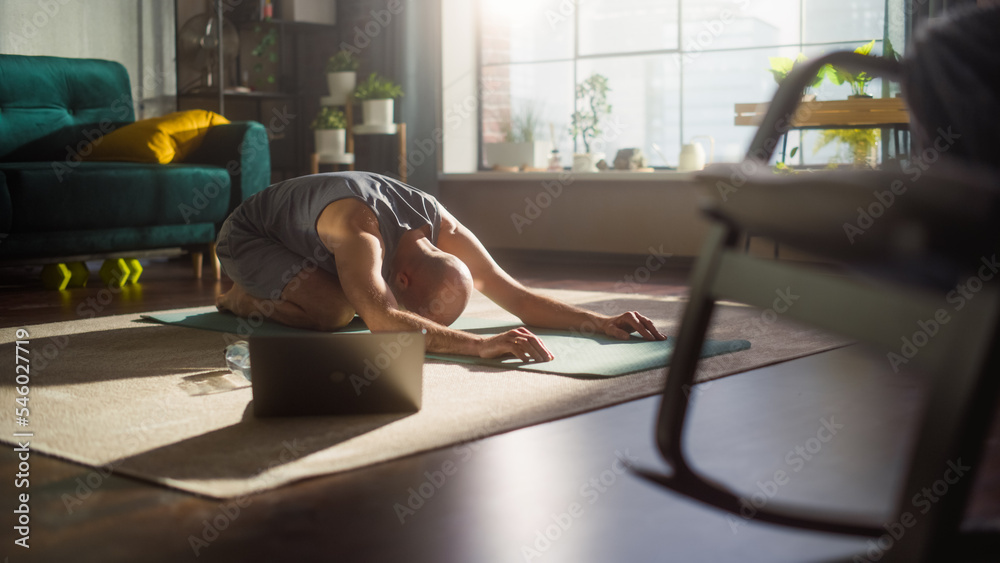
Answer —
511 92
525 30
714 83
843 20
723 24
645 105
622 26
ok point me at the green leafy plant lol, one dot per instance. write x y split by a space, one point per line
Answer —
267 49
376 88
592 97
522 125
859 82
781 67
859 142
344 61
329 118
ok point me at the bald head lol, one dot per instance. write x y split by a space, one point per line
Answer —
435 285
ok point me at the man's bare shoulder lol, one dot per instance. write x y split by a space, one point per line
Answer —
346 219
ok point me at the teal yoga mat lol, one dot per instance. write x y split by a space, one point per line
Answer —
575 355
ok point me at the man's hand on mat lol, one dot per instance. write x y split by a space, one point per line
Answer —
519 342
622 327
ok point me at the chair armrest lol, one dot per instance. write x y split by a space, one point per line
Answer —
241 148
779 114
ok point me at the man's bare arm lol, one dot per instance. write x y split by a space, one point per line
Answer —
529 306
359 263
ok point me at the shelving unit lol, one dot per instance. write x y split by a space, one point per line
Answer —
347 159
285 105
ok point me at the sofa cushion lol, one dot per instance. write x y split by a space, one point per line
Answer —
45 99
165 139
60 196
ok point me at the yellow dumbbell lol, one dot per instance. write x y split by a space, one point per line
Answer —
79 274
56 276
135 270
115 272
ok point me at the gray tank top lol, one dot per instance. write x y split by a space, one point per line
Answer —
287 212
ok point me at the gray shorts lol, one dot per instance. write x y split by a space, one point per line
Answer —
263 267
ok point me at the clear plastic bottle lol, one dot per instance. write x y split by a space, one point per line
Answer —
238 358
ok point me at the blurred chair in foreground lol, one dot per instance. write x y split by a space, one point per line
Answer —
934 226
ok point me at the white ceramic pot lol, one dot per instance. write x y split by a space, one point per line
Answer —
534 154
377 112
330 141
340 85
586 162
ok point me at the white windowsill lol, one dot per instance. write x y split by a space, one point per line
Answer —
611 175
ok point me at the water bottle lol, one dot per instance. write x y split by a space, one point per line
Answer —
238 358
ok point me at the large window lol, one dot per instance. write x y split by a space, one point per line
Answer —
675 67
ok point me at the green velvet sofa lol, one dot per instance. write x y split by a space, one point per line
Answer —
54 207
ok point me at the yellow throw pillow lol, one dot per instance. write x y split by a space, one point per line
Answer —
165 139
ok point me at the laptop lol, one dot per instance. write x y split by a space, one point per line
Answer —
337 373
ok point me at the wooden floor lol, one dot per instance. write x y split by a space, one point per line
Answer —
512 489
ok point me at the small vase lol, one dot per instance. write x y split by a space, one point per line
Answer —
377 112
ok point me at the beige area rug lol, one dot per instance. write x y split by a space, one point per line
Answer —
155 402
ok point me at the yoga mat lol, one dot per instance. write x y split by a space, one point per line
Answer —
575 355
156 403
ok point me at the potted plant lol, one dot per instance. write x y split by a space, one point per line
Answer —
376 95
330 132
781 67
519 147
593 106
859 82
862 145
341 76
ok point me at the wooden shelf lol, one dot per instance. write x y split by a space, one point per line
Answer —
865 112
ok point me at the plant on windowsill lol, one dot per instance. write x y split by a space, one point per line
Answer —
377 95
520 147
858 81
781 67
329 130
341 76
593 106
